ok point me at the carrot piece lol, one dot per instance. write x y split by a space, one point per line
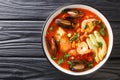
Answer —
78 30
73 44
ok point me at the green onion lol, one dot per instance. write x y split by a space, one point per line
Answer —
60 61
53 57
66 55
71 63
90 64
102 30
99 44
74 37
102 26
85 27
58 34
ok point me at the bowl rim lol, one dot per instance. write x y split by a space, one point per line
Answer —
95 11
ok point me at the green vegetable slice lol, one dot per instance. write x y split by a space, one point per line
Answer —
103 50
60 61
66 55
102 30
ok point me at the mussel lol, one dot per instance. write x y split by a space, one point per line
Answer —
53 47
64 23
78 66
73 13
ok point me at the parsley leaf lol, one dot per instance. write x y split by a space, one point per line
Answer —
99 44
60 61
102 30
90 64
74 37
71 63
58 34
86 26
66 55
53 57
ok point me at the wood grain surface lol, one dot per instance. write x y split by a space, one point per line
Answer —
21 53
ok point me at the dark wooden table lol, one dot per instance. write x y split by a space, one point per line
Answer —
21 53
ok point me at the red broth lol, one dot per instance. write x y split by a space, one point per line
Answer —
70 48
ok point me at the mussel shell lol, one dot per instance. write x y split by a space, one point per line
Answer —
75 13
79 66
64 23
52 47
66 10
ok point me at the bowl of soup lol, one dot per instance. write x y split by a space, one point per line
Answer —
77 39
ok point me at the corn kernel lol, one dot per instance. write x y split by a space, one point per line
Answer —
69 34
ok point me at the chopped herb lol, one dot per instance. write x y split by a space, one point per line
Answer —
60 61
66 55
71 63
99 44
85 27
58 34
96 22
74 37
102 31
90 64
51 28
53 57
102 26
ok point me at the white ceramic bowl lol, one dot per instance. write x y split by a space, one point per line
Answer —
55 13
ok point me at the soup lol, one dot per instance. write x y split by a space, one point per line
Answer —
77 39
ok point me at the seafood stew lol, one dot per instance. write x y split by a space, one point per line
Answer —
77 39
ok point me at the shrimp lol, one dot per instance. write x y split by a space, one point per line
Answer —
87 25
72 52
82 48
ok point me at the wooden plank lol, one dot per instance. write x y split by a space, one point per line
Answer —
41 69
23 38
40 9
